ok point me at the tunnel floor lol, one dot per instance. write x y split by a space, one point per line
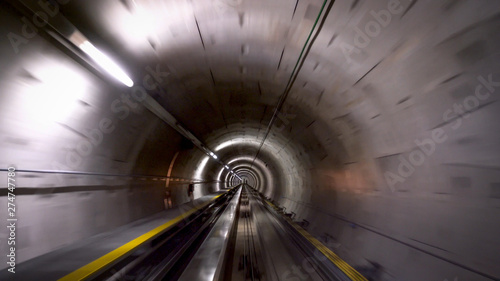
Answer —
235 234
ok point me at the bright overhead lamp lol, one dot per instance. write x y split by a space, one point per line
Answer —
227 168
213 155
106 63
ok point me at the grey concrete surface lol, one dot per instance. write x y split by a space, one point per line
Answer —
387 142
65 260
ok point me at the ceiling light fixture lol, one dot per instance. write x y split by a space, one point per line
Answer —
106 63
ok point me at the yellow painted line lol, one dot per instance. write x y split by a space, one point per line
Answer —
340 263
88 270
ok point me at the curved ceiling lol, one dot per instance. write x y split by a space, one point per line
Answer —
371 120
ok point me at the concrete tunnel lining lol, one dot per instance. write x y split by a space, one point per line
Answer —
334 158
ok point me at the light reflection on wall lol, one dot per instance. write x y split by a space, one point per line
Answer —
198 174
52 95
235 141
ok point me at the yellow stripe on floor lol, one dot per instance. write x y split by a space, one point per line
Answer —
341 264
88 270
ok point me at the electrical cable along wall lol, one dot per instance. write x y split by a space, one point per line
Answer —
369 122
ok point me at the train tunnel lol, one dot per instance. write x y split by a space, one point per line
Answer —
250 140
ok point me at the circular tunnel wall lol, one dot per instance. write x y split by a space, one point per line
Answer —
384 142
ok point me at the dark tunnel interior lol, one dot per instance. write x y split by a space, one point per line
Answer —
373 125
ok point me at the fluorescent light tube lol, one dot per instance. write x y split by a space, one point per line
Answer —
106 63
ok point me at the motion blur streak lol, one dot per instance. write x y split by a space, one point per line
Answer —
370 126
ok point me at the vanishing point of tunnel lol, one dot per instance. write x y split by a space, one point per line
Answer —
250 140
